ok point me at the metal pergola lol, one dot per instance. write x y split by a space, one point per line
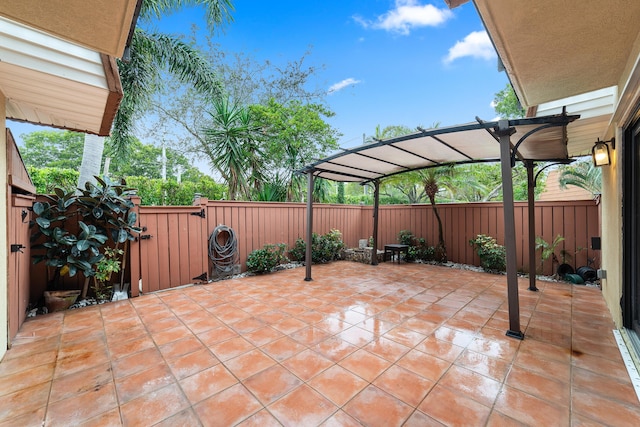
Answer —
529 140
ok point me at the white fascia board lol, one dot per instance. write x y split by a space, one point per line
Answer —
35 50
591 104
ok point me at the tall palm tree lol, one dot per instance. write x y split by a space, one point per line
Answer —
431 180
153 54
582 174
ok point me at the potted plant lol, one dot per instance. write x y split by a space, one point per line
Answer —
105 220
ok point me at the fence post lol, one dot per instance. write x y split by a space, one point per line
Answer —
134 252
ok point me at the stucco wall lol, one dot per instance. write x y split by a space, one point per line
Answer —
612 232
4 256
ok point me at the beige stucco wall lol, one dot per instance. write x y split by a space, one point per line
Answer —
4 256
611 253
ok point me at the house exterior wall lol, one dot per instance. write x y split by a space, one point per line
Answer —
4 255
611 218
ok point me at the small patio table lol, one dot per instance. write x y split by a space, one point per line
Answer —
395 249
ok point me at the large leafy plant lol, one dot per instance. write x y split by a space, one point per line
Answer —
104 219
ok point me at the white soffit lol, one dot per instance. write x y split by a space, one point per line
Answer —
49 81
595 109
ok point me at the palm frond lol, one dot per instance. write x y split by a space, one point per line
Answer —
217 12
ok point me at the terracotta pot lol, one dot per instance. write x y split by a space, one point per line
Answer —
60 300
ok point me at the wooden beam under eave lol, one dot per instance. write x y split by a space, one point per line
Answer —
115 96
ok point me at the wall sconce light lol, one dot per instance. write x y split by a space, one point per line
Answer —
600 152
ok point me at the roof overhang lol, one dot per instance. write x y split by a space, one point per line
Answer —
533 139
102 26
50 81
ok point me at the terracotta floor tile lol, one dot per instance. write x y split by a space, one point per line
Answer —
185 418
180 348
612 388
282 348
310 336
263 335
232 315
404 384
333 325
335 349
529 409
260 419
303 406
228 407
604 411
169 321
143 382
249 363
503 349
310 317
273 316
488 366
459 338
453 409
470 384
231 348
81 382
192 363
136 362
356 336
441 349
421 326
154 407
307 364
341 419
376 326
272 383
423 364
33 418
338 385
497 419
26 379
166 336
373 406
405 336
386 348
364 364
24 401
126 348
14 366
80 360
83 406
289 325
206 383
538 385
550 368
247 325
418 419
216 335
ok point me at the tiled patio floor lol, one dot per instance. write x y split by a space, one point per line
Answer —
391 345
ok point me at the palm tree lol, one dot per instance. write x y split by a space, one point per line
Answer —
151 55
584 175
431 181
230 145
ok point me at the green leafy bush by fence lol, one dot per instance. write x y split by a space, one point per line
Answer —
324 248
492 255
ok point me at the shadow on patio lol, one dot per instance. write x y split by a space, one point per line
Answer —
389 345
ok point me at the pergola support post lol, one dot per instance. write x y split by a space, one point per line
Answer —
307 257
531 206
505 132
376 205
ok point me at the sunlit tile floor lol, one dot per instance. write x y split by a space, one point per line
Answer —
391 345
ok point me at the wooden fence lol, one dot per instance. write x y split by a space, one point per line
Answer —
174 248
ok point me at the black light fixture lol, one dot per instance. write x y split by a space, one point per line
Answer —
600 152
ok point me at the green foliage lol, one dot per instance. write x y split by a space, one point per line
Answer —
103 213
52 149
507 105
48 178
406 237
340 195
492 255
266 259
109 264
582 174
548 249
324 248
156 192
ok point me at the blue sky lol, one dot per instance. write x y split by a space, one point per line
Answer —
402 62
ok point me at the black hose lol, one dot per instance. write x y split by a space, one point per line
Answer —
223 256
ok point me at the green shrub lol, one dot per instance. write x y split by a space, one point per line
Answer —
324 248
266 259
406 237
492 255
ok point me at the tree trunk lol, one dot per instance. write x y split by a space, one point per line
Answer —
440 249
91 159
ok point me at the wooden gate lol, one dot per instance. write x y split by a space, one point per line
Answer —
171 251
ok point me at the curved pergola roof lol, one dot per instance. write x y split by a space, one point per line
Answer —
534 139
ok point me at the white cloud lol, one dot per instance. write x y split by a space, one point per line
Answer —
343 84
407 15
477 45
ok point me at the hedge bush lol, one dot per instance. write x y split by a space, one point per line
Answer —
266 259
492 255
324 248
